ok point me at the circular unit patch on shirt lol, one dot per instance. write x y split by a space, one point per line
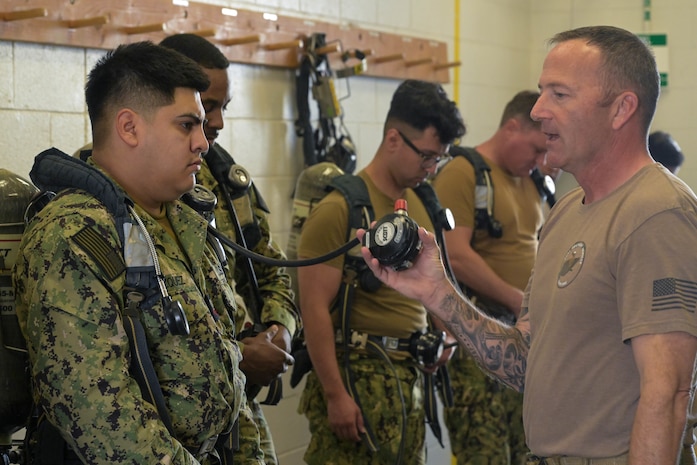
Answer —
571 265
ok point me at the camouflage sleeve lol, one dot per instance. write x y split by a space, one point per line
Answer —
69 315
250 451
273 281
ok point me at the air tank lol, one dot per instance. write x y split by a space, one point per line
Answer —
310 188
15 394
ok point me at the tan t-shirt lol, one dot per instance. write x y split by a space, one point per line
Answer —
618 268
382 313
517 206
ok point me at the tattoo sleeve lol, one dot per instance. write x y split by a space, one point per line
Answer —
500 350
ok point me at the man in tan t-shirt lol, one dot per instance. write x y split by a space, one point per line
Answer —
606 342
494 271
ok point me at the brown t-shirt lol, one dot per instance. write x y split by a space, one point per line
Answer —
606 272
382 313
517 206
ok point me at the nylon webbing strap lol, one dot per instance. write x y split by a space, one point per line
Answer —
220 163
141 365
275 393
344 302
430 406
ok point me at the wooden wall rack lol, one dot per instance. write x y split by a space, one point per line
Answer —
244 36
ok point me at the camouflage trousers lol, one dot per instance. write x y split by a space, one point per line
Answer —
376 385
485 423
256 446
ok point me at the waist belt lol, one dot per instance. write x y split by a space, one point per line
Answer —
381 346
360 340
564 460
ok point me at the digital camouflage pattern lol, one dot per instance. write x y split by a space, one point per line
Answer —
376 381
485 423
274 283
69 307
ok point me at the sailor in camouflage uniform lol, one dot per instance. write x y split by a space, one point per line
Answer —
351 390
147 117
266 356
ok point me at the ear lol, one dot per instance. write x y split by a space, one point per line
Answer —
392 139
128 125
512 124
624 107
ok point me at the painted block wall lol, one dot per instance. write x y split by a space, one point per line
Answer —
677 106
501 45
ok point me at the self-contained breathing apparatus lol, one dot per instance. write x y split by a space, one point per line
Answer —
15 395
484 214
144 287
234 182
484 190
315 77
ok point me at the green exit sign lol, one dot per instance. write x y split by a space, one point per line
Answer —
659 45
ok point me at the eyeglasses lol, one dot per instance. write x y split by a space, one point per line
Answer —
428 160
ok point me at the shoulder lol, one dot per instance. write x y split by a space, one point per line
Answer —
652 191
458 164
70 212
457 173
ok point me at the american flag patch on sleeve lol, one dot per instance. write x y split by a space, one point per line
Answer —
674 294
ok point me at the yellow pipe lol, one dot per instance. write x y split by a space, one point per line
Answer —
456 52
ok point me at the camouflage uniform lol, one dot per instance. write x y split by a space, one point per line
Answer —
375 382
383 312
484 422
274 283
69 306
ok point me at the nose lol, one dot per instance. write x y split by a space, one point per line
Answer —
537 113
199 141
215 119
431 170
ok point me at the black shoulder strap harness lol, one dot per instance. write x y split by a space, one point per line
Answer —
484 190
52 165
55 171
356 273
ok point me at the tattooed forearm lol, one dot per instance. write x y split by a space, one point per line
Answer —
499 349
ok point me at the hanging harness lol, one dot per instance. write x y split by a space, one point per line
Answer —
315 78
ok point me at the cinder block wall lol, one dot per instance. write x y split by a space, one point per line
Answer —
501 45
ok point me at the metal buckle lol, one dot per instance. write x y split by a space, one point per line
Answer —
206 448
390 343
359 340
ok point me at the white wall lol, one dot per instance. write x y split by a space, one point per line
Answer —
677 106
501 43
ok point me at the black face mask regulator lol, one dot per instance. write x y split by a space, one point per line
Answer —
394 240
